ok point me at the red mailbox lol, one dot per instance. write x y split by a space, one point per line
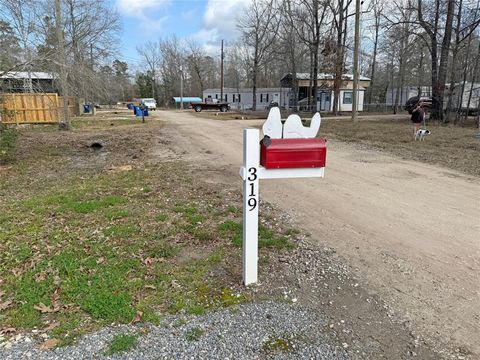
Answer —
293 153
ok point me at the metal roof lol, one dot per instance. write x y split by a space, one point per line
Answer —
187 99
325 76
243 90
25 75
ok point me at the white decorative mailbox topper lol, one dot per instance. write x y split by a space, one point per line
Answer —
287 150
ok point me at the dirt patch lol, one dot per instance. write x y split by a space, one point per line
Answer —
398 225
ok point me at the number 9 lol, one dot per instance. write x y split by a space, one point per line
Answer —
252 203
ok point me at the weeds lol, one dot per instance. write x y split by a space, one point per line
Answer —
121 343
194 334
8 140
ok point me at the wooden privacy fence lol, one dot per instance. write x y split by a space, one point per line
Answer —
33 108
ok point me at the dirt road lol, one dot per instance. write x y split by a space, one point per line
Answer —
411 231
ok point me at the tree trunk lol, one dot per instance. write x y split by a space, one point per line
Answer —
374 61
453 72
254 80
442 70
474 78
462 91
339 60
65 124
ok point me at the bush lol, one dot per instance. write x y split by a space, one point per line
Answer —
8 140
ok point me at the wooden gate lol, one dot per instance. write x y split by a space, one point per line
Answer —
36 108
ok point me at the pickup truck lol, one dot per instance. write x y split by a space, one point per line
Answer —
210 105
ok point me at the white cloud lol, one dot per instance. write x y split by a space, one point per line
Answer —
220 19
153 25
138 8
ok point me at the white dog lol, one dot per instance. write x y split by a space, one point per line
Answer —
421 133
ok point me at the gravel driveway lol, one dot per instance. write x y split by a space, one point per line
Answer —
252 331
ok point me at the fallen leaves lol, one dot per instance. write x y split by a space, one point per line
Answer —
4 305
121 168
153 287
138 317
49 344
44 309
52 326
148 261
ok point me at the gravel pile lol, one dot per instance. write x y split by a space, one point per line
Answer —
249 331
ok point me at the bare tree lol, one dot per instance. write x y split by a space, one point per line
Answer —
377 22
339 10
308 17
65 124
259 26
151 57
432 27
22 15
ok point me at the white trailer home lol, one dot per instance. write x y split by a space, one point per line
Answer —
242 99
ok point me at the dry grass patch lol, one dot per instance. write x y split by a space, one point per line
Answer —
450 146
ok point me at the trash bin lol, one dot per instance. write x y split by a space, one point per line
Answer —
138 111
86 108
130 106
145 111
135 109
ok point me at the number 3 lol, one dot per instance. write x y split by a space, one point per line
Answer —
253 174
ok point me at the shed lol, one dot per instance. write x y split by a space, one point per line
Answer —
27 82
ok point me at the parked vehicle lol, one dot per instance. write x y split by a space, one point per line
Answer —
210 104
149 103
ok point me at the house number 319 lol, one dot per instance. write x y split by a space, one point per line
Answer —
252 201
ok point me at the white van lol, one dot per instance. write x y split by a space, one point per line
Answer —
150 103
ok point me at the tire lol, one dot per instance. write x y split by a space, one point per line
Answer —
223 108
198 108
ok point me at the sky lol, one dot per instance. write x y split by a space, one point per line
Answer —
205 21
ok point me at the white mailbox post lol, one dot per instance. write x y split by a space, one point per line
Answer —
251 172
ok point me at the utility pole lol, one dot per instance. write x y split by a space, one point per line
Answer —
181 87
355 62
65 124
221 74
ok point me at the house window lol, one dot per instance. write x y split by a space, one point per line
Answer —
233 97
239 98
261 97
267 98
216 96
347 97
226 97
209 96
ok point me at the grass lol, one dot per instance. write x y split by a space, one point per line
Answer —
121 343
194 334
8 139
278 344
452 147
267 238
83 247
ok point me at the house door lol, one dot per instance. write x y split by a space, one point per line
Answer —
324 99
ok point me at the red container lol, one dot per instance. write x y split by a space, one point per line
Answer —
293 153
